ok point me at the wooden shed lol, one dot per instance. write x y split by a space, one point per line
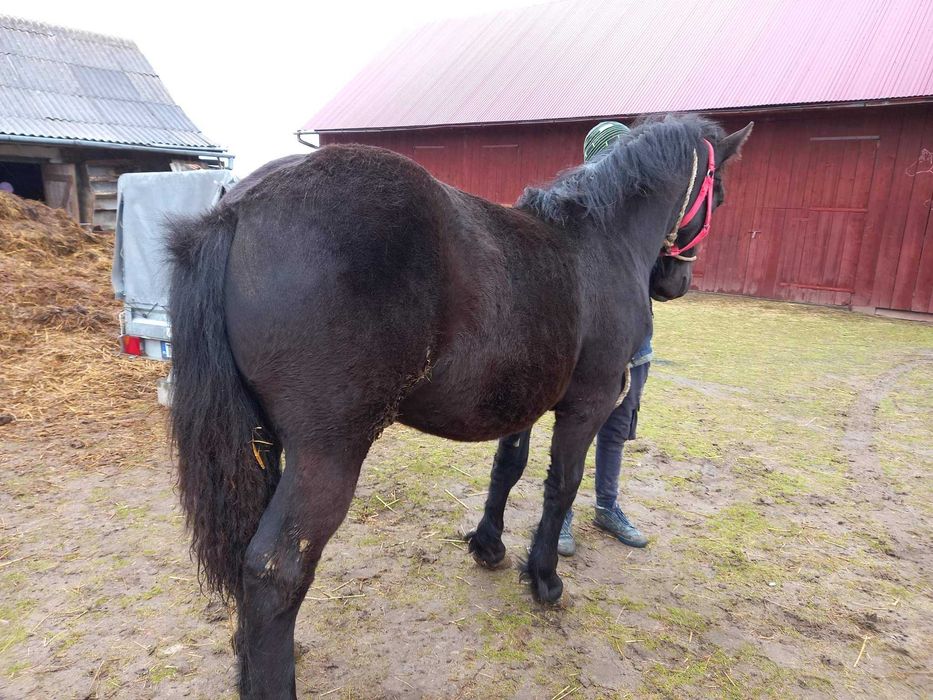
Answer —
831 203
79 109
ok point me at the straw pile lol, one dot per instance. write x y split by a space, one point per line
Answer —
61 375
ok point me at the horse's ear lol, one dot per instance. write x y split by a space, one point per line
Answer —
731 146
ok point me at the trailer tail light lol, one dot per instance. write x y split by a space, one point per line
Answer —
132 345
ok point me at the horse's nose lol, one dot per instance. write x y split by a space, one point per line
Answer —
684 285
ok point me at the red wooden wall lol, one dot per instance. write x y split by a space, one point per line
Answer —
826 206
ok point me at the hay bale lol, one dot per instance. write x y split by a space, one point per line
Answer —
35 230
63 380
53 273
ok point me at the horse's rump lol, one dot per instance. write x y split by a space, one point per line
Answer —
333 290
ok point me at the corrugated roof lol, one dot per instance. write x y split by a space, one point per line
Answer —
592 58
69 84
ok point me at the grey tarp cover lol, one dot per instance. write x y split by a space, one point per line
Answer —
144 202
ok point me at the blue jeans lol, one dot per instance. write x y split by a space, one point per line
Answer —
619 427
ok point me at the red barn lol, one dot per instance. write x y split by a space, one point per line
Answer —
831 203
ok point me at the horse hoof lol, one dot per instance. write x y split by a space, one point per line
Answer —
504 562
548 590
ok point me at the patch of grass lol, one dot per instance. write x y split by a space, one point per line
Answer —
134 601
681 617
151 592
876 541
64 642
13 622
824 466
128 512
362 510
38 566
816 683
778 482
496 652
735 542
161 672
628 603
670 681
688 483
370 540
12 636
99 493
721 671
12 580
13 670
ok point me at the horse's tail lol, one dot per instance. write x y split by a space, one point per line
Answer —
228 457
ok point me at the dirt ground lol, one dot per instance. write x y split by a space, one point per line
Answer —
784 473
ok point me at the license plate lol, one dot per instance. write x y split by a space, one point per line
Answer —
166 350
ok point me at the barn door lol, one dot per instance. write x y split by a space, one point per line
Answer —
820 254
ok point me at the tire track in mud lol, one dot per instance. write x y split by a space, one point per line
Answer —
860 426
882 500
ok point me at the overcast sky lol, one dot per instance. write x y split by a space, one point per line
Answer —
250 75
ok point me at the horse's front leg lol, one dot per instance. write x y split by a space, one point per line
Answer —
309 504
574 430
507 467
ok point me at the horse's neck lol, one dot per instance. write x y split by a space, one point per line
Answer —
638 232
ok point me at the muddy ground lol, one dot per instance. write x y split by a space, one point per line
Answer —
784 473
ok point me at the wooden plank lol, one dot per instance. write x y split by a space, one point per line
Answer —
889 124
892 235
753 232
834 245
864 173
754 262
61 188
845 174
775 238
852 243
915 225
746 174
794 222
922 299
780 166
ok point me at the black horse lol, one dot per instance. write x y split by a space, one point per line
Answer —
329 296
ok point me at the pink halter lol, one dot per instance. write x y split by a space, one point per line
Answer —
706 192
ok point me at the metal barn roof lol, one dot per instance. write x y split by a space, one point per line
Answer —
592 58
58 83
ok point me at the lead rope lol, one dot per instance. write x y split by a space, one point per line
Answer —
672 236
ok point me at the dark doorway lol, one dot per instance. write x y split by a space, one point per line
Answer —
26 179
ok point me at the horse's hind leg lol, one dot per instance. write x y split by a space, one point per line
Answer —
310 502
507 467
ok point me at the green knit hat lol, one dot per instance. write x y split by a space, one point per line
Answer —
601 138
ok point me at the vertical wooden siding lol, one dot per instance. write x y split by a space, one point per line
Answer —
826 207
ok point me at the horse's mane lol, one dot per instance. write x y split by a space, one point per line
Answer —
655 155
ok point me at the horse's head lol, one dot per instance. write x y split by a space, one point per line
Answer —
673 271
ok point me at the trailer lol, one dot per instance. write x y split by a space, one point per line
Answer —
140 276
